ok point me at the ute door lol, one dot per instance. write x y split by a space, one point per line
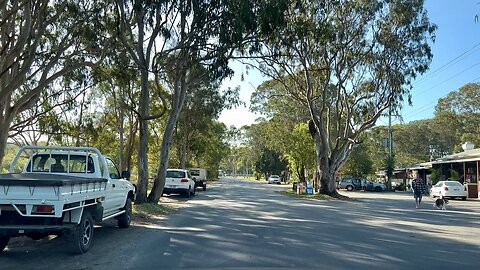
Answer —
113 196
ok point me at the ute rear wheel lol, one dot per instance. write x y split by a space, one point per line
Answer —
3 242
81 237
204 187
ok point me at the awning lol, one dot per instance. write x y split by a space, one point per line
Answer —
456 160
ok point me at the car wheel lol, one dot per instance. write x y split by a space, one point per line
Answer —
125 218
187 193
464 198
204 187
81 237
3 242
194 191
378 189
349 188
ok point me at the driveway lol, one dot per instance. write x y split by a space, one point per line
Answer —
240 224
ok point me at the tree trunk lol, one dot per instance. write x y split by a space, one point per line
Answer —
6 118
121 131
179 100
130 142
326 171
183 145
3 141
142 182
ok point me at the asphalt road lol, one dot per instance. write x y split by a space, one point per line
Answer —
247 225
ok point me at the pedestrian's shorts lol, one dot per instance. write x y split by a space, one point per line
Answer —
417 194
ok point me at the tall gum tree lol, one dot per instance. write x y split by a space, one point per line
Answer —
140 24
347 61
41 41
208 33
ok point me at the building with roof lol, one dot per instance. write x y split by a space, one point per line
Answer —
464 166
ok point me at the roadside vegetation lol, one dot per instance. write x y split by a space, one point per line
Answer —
141 80
147 210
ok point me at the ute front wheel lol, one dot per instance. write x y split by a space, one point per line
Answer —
125 218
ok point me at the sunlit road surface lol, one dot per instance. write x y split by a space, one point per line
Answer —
245 224
239 224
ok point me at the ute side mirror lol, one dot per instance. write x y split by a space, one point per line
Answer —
126 175
194 178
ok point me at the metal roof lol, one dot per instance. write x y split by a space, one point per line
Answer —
469 154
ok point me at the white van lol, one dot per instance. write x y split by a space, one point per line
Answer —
199 175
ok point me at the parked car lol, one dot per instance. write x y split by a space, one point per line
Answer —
375 186
200 177
449 189
351 183
179 181
274 179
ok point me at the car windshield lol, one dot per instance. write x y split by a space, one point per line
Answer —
453 184
175 174
274 176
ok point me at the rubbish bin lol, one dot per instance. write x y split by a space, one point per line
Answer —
309 189
294 188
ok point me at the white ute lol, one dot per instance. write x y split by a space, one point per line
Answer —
63 191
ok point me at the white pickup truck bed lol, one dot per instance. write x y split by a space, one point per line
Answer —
40 201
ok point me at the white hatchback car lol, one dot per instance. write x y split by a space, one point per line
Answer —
179 181
274 179
449 189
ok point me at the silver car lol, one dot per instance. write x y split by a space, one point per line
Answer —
274 179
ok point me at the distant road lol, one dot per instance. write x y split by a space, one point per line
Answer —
240 224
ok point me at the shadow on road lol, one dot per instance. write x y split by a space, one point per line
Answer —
240 224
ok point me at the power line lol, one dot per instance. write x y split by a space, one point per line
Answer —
450 63
428 105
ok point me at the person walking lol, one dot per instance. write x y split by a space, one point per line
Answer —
419 189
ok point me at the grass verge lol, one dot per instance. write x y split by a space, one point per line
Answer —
151 209
319 197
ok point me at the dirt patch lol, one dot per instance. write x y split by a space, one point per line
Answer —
148 213
318 197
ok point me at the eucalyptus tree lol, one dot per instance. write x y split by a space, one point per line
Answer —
346 62
140 23
286 131
203 105
210 146
206 33
457 117
41 41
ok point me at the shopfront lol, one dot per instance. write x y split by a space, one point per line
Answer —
466 171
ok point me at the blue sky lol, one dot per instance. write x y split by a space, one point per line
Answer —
456 61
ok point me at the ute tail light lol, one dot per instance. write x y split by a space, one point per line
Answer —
43 209
184 180
445 188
